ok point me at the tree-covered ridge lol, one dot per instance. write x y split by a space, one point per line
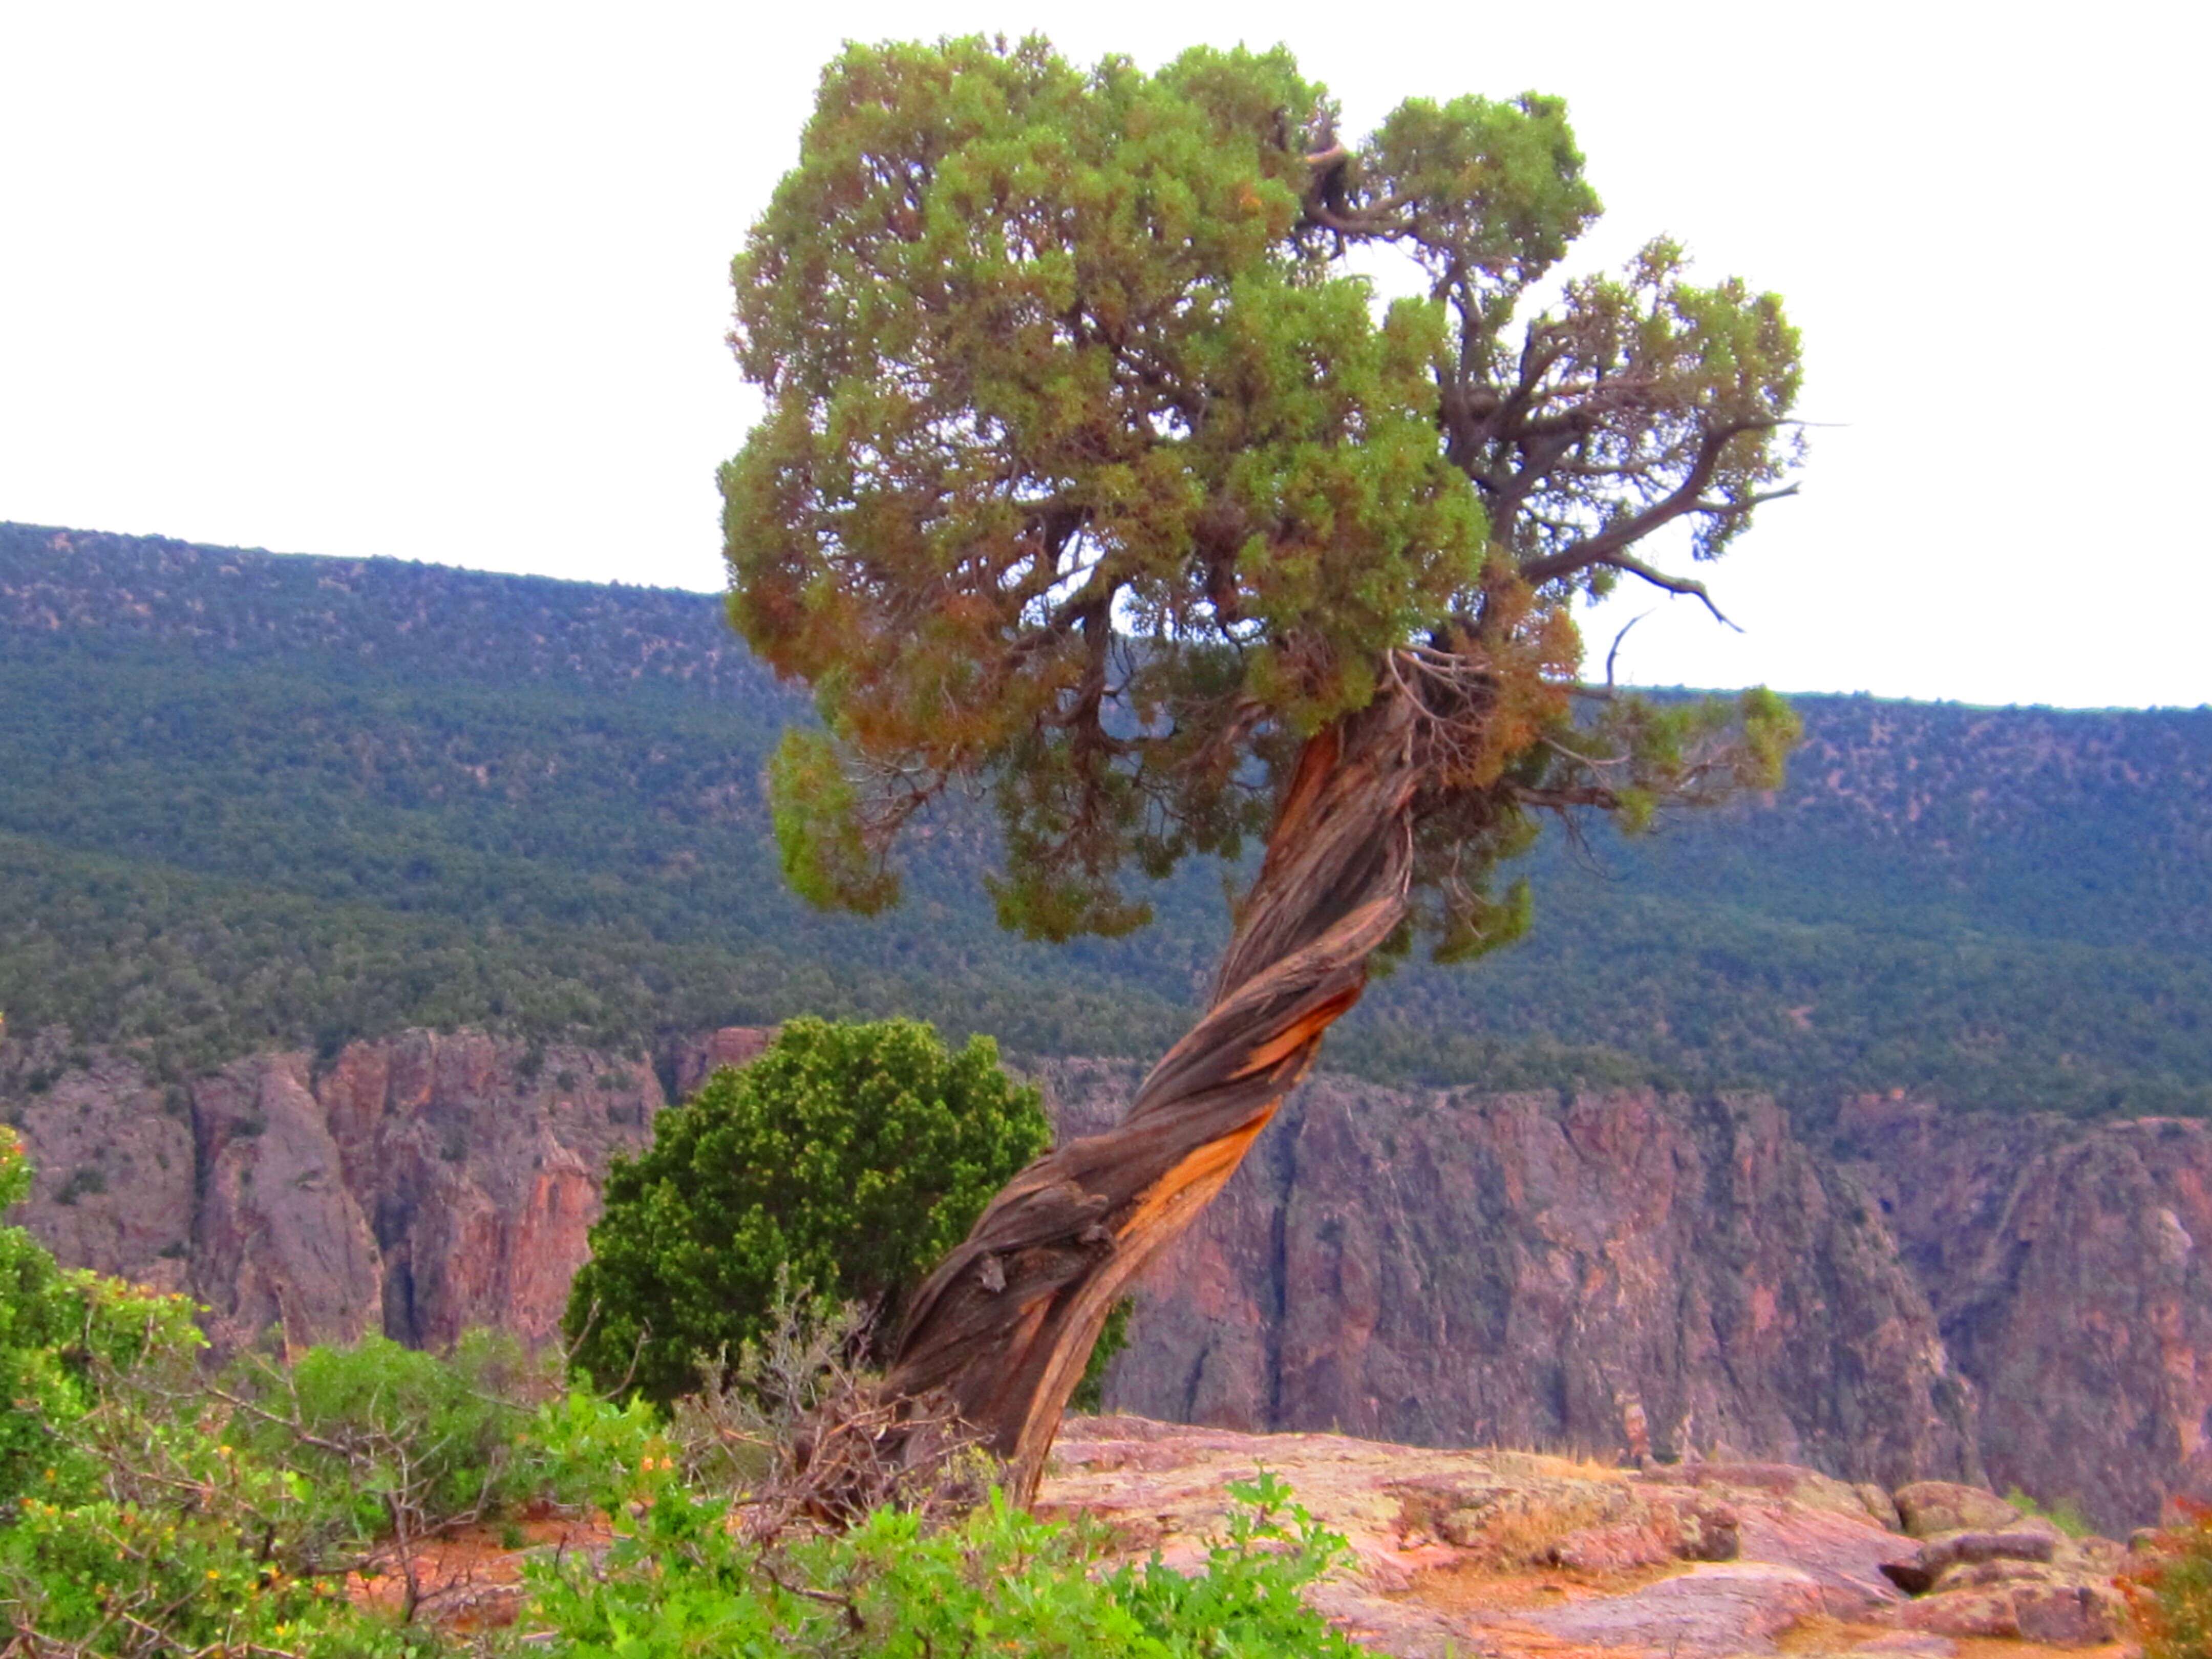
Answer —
464 624
2092 824
243 809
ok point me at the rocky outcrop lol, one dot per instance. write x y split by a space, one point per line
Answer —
113 1166
417 1186
1632 1274
1625 1272
2069 1266
282 1242
1512 1554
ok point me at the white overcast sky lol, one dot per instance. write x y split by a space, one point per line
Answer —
449 282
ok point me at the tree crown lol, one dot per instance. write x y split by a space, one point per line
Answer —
1092 472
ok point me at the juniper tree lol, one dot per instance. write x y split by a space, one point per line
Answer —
1095 473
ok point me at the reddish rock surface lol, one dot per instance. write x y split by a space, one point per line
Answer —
416 1187
1624 1273
1621 1272
1473 1552
2070 1270
114 1165
1488 1552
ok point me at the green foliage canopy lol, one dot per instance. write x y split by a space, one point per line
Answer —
847 1158
1091 470
56 1326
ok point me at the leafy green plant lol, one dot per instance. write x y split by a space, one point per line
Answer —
399 1442
183 1545
847 1158
243 1512
2062 1513
1247 1600
684 1577
57 1326
131 1523
2172 1598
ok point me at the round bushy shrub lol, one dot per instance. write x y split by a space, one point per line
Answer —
846 1160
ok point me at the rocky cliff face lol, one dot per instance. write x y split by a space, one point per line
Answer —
2067 1267
416 1186
1619 1273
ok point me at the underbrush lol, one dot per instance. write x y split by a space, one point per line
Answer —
2171 1596
291 1510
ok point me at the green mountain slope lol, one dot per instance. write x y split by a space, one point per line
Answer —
248 799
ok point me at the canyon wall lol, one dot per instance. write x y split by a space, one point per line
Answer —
416 1185
2063 1264
1618 1273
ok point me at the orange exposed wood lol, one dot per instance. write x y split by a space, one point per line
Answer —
1217 1158
1316 761
1295 1037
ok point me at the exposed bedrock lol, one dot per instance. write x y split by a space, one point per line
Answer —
1617 1272
416 1185
2068 1269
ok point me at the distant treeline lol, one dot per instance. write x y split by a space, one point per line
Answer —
248 800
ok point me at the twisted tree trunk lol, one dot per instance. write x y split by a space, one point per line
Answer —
1005 1324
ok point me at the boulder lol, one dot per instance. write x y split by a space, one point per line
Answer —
1980 1575
2076 1615
1930 1507
1725 1608
1617 1548
2018 1599
1783 1480
1936 1558
2095 1556
1983 1613
2017 1544
1879 1505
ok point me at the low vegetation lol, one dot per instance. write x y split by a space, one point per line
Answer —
2172 1595
153 1512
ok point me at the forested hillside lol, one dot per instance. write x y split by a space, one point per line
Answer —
249 800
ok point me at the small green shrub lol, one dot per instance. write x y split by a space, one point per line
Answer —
399 1443
2062 1513
56 1326
184 1549
2172 1598
850 1157
130 1523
